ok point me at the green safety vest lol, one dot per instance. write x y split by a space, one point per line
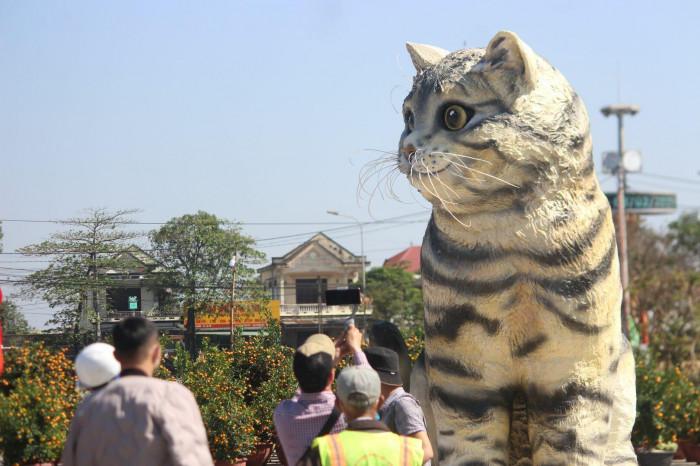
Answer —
358 448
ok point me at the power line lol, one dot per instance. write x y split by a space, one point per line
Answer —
221 222
347 235
671 178
662 184
398 220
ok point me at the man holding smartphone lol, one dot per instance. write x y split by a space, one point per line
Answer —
311 412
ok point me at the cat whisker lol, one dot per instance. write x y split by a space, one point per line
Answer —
377 188
390 186
488 175
444 205
440 181
381 151
377 177
457 172
463 157
371 170
456 219
435 191
456 165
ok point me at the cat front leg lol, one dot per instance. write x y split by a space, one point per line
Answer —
472 423
569 423
421 390
619 450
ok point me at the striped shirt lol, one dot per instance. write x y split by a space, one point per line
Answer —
299 419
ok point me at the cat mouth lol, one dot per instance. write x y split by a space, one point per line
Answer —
432 172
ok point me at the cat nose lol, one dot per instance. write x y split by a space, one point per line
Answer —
408 150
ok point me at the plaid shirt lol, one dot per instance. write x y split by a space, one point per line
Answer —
299 419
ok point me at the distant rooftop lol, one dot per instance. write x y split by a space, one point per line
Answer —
408 259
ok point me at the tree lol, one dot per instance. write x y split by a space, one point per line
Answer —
194 253
13 321
90 244
684 235
395 296
665 280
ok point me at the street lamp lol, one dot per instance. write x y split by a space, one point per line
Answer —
362 242
620 110
232 264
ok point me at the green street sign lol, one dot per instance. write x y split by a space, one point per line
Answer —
133 303
645 203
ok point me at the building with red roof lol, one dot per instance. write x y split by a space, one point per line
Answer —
408 259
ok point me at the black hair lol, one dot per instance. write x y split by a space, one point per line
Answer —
131 335
312 372
388 335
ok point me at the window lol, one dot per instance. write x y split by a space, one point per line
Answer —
124 299
307 290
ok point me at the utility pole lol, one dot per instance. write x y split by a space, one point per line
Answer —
620 111
362 243
232 264
192 323
93 267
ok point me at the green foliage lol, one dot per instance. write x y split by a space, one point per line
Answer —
219 394
415 343
89 244
395 296
684 234
237 390
13 321
194 253
668 405
665 280
667 446
266 365
37 401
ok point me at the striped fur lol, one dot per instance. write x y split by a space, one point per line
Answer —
524 362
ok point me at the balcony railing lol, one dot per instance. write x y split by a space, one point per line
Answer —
312 310
155 313
286 310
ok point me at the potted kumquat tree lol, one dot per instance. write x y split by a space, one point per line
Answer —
37 401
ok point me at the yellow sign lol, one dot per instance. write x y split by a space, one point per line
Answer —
246 314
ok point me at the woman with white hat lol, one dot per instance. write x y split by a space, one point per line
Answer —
96 366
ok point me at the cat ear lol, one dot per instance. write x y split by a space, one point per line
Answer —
424 56
509 60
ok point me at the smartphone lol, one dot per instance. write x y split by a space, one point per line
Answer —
348 322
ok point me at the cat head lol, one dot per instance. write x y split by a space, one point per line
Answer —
491 128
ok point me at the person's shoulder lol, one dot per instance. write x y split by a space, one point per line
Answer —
176 390
150 387
129 381
407 401
287 407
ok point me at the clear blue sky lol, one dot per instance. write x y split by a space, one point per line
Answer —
260 111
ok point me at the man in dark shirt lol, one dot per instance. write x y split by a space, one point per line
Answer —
400 410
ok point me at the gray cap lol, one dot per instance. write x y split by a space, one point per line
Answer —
358 387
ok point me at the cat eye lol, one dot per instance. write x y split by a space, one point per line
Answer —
456 117
408 117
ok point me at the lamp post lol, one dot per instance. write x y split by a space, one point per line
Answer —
620 110
362 242
232 264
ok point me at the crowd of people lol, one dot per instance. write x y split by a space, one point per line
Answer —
130 417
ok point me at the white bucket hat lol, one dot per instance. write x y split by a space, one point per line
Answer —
96 365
